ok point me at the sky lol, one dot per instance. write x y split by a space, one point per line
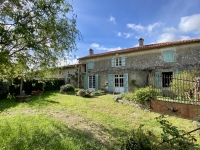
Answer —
107 25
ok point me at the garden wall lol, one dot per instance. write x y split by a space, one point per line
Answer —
187 111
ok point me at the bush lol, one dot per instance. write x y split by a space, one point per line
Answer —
35 85
84 93
144 94
170 138
67 88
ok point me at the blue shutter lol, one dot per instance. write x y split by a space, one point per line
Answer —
96 82
85 82
168 56
110 83
158 79
125 82
90 65
123 61
112 62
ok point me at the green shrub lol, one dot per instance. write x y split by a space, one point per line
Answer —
67 88
144 94
170 138
128 96
84 93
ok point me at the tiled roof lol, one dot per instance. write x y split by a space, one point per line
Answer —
145 47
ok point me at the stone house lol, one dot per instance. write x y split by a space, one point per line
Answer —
67 73
115 70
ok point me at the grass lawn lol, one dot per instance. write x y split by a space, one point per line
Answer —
68 122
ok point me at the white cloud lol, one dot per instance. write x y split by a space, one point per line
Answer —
140 28
119 34
128 35
99 47
150 27
190 23
135 27
166 37
112 19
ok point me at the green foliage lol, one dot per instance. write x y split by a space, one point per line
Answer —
170 138
182 83
31 85
35 34
67 88
84 93
144 94
174 138
139 140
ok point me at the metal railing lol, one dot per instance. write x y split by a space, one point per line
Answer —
167 87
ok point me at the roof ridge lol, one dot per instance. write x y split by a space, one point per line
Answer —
144 47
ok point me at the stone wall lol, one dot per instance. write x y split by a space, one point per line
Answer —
140 63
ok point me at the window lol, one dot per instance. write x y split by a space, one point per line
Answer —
91 81
163 79
119 81
168 56
118 62
166 78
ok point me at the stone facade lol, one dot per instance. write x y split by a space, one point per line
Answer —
138 63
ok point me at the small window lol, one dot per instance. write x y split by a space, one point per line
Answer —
166 78
118 62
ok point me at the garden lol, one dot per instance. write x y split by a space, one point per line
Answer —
79 119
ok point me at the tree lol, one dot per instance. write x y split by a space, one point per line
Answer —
34 34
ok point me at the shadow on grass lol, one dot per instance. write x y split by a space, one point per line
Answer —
40 132
35 100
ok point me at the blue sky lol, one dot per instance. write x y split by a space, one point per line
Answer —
117 24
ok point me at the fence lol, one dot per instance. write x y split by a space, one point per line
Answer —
175 88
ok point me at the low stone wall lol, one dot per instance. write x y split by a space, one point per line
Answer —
187 111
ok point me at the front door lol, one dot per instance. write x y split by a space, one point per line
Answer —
119 84
91 80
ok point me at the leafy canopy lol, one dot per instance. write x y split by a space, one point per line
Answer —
34 34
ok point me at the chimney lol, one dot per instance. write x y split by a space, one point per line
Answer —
141 42
91 51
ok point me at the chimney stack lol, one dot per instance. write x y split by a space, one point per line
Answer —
91 51
141 42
